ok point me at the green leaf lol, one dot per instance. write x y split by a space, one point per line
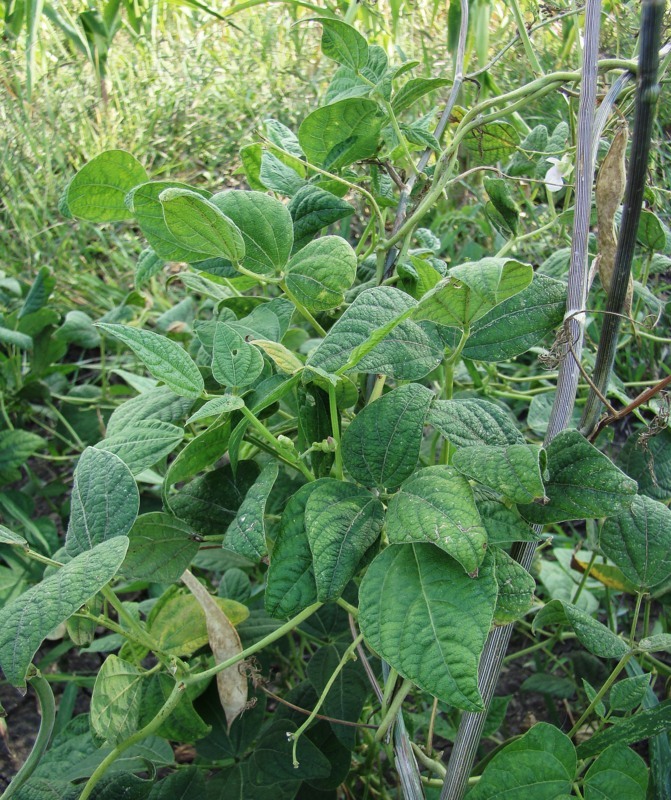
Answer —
39 293
275 174
343 43
271 760
266 227
251 155
341 523
320 273
527 155
643 725
628 694
513 471
515 589
115 703
519 323
503 524
656 643
202 451
436 505
649 464
200 226
143 444
143 201
651 233
9 537
469 423
27 620
16 447
539 765
597 638
381 445
98 191
210 503
216 407
246 535
506 210
77 328
413 90
161 547
408 352
471 290
185 784
618 772
16 339
104 503
413 604
165 359
312 209
159 403
582 483
638 541
492 142
291 583
540 410
234 361
341 133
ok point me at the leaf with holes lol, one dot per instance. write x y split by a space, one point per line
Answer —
234 361
246 535
436 505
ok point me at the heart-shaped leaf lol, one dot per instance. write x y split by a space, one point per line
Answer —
319 274
471 290
513 471
116 700
436 505
583 483
469 423
381 445
98 190
246 535
343 43
234 361
341 523
160 548
413 601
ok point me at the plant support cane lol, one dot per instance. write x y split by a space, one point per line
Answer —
471 726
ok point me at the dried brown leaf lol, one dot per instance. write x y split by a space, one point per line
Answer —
224 643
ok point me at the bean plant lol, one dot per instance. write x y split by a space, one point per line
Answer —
342 420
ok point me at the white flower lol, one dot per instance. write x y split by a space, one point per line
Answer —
554 180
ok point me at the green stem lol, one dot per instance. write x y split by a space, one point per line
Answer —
124 616
524 36
634 622
302 310
394 708
621 664
289 626
290 458
378 386
584 578
349 608
347 655
399 134
335 431
389 685
47 703
164 712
